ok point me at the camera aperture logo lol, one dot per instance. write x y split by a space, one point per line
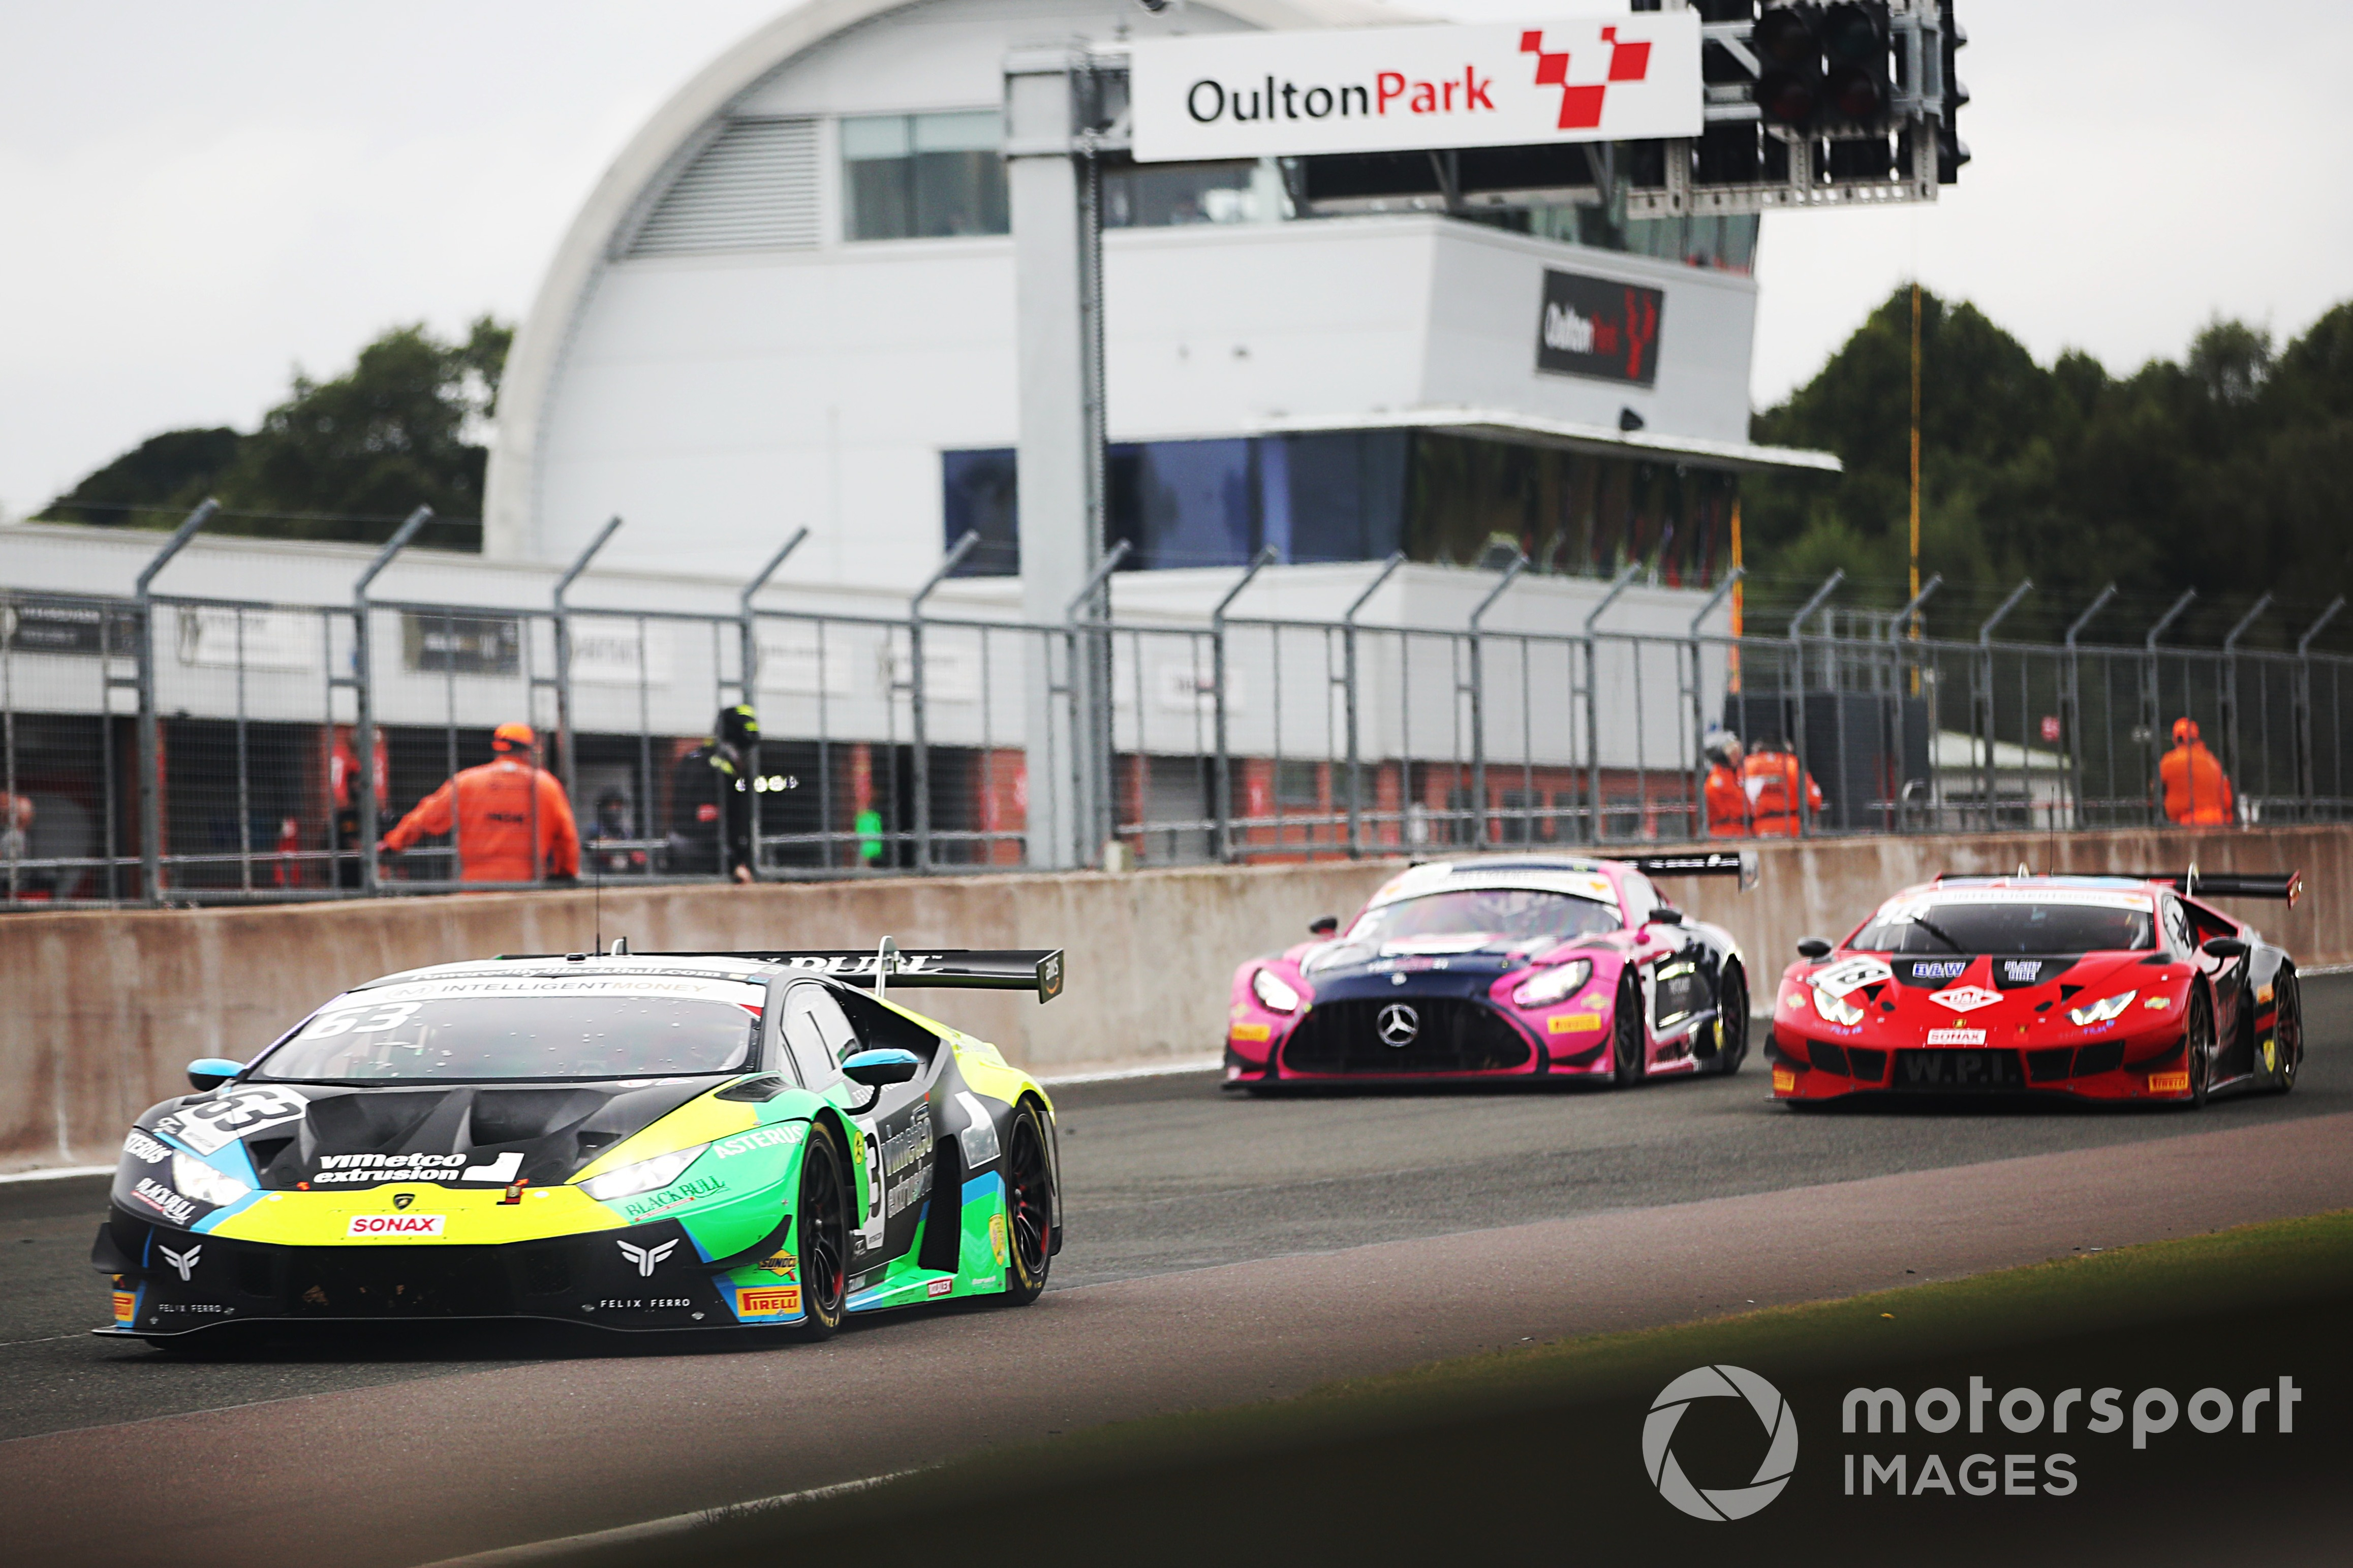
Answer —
1773 1412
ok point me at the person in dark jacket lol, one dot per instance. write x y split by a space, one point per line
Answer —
712 800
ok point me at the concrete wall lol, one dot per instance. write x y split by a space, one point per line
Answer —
102 1011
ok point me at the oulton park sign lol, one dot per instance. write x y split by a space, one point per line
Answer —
1397 89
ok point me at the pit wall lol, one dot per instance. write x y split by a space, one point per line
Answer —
102 1011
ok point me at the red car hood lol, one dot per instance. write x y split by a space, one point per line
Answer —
1914 1001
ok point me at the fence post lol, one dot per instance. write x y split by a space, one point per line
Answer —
364 692
1267 555
2300 688
1092 807
1618 586
1519 563
564 656
1348 668
1699 701
747 668
1982 701
2152 719
2071 705
2230 751
151 805
1896 627
919 739
1798 661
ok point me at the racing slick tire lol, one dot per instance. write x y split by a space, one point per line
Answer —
1627 1063
2197 1047
1731 1020
1029 1207
2287 1029
821 1233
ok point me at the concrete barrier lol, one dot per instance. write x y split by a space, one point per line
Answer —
102 1011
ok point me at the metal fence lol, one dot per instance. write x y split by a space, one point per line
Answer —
164 748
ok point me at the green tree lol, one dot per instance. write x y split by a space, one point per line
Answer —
2227 472
340 459
158 474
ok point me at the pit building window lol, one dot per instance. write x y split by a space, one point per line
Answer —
924 176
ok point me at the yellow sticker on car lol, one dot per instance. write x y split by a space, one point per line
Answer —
1251 1031
1572 1023
767 1300
1784 1080
996 1237
2169 1082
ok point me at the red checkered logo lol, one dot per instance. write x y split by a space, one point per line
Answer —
1580 102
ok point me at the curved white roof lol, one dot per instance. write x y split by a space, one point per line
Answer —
661 148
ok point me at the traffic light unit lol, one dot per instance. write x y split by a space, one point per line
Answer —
1811 103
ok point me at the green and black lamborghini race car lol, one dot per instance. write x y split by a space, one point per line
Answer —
656 1141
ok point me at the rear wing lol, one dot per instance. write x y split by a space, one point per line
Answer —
958 968
2199 884
1740 863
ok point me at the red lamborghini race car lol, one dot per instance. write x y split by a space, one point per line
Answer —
2109 988
1509 966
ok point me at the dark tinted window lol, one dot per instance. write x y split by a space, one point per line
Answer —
1502 915
922 176
475 1037
2040 927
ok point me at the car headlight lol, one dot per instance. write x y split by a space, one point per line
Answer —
643 1176
201 1182
1837 1009
2104 1010
1547 987
1273 994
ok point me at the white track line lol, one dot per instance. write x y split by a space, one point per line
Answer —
57 1173
676 1526
1156 1069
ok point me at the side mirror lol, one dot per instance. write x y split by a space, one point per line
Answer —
1813 947
211 1072
875 1069
2223 947
1666 915
1324 925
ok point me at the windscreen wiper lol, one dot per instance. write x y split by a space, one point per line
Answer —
1939 932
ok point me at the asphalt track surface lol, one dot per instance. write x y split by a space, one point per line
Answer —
1221 1251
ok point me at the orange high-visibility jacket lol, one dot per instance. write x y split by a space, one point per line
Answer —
2197 790
496 808
1770 781
1727 804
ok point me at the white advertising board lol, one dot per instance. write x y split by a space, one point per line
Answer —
619 650
1385 89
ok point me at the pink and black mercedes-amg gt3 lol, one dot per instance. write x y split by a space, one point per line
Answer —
1500 968
2106 988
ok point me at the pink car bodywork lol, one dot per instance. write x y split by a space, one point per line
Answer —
1498 1010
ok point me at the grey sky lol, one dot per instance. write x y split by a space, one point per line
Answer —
195 200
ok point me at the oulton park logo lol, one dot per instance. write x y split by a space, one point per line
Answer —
1717 1505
